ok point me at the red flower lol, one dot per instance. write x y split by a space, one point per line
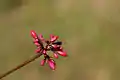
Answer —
41 37
48 45
53 38
37 50
55 55
62 53
33 34
52 64
42 62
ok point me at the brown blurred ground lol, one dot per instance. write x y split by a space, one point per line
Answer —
90 29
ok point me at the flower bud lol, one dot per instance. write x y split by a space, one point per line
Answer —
35 41
55 46
61 48
37 44
53 38
52 64
33 34
55 55
37 50
62 53
44 51
41 37
42 62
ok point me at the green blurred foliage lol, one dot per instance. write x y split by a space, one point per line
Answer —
89 29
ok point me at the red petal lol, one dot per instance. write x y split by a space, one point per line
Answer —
62 53
44 51
55 55
35 41
33 34
42 62
55 46
53 38
41 37
61 48
52 64
37 44
37 50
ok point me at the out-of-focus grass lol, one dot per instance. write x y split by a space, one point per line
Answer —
90 30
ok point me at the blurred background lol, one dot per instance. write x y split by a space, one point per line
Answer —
90 30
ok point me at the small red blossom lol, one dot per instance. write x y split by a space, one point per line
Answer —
52 64
53 38
55 55
33 34
37 50
48 45
41 37
42 62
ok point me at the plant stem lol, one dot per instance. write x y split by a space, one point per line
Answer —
21 65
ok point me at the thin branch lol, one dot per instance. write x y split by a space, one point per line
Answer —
20 66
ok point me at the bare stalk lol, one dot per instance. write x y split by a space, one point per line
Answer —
20 66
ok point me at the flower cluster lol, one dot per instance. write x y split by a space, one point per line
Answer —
48 45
